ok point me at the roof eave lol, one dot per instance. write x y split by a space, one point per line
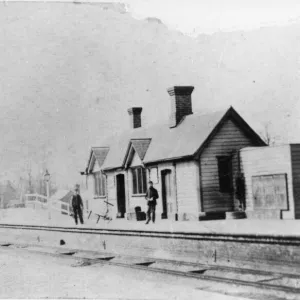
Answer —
110 169
89 161
185 157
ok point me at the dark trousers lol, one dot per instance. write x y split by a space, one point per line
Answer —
77 212
151 210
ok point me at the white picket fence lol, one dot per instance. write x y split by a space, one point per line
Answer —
38 201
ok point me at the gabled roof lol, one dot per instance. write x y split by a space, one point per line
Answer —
187 140
98 154
140 146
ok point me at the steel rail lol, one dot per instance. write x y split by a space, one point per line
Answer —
213 236
260 284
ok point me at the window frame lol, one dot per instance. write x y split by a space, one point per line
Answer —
99 184
139 181
225 180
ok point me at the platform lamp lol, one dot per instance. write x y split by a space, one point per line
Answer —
47 180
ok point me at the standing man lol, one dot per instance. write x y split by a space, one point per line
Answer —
77 206
151 197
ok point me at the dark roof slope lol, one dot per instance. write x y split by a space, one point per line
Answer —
100 154
141 146
185 140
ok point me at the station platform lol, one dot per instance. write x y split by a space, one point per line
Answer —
253 244
276 228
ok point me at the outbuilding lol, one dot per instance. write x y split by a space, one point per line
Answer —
272 181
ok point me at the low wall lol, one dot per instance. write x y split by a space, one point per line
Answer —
278 253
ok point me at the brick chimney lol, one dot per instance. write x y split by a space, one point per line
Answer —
181 103
135 117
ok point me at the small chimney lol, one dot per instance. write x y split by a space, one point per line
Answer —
135 117
181 103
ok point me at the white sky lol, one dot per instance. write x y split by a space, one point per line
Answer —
208 16
215 15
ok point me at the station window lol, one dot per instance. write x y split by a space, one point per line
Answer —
139 181
100 189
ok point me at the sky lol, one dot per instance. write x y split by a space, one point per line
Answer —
195 17
208 16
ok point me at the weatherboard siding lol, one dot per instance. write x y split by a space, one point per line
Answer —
267 161
188 190
295 156
227 141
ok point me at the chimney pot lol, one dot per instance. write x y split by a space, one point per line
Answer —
181 103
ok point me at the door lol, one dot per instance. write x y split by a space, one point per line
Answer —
167 201
121 198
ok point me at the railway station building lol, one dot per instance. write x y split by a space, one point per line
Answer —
202 166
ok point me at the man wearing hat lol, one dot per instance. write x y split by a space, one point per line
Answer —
77 206
151 197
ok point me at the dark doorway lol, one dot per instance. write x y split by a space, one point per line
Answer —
165 191
121 198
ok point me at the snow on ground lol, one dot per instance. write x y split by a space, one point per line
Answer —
38 216
31 275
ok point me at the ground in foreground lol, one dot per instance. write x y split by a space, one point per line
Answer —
33 275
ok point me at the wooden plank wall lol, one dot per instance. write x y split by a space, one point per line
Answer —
229 139
295 156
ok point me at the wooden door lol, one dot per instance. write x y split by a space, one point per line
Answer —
121 197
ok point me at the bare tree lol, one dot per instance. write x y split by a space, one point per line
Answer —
29 173
267 136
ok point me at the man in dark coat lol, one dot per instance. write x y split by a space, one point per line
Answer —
151 197
77 206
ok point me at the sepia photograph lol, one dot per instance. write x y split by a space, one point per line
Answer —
150 149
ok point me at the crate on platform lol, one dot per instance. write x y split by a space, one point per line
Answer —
140 215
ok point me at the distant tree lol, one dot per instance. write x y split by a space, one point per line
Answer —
267 136
29 174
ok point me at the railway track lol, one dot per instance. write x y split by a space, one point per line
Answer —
283 240
271 281
289 284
